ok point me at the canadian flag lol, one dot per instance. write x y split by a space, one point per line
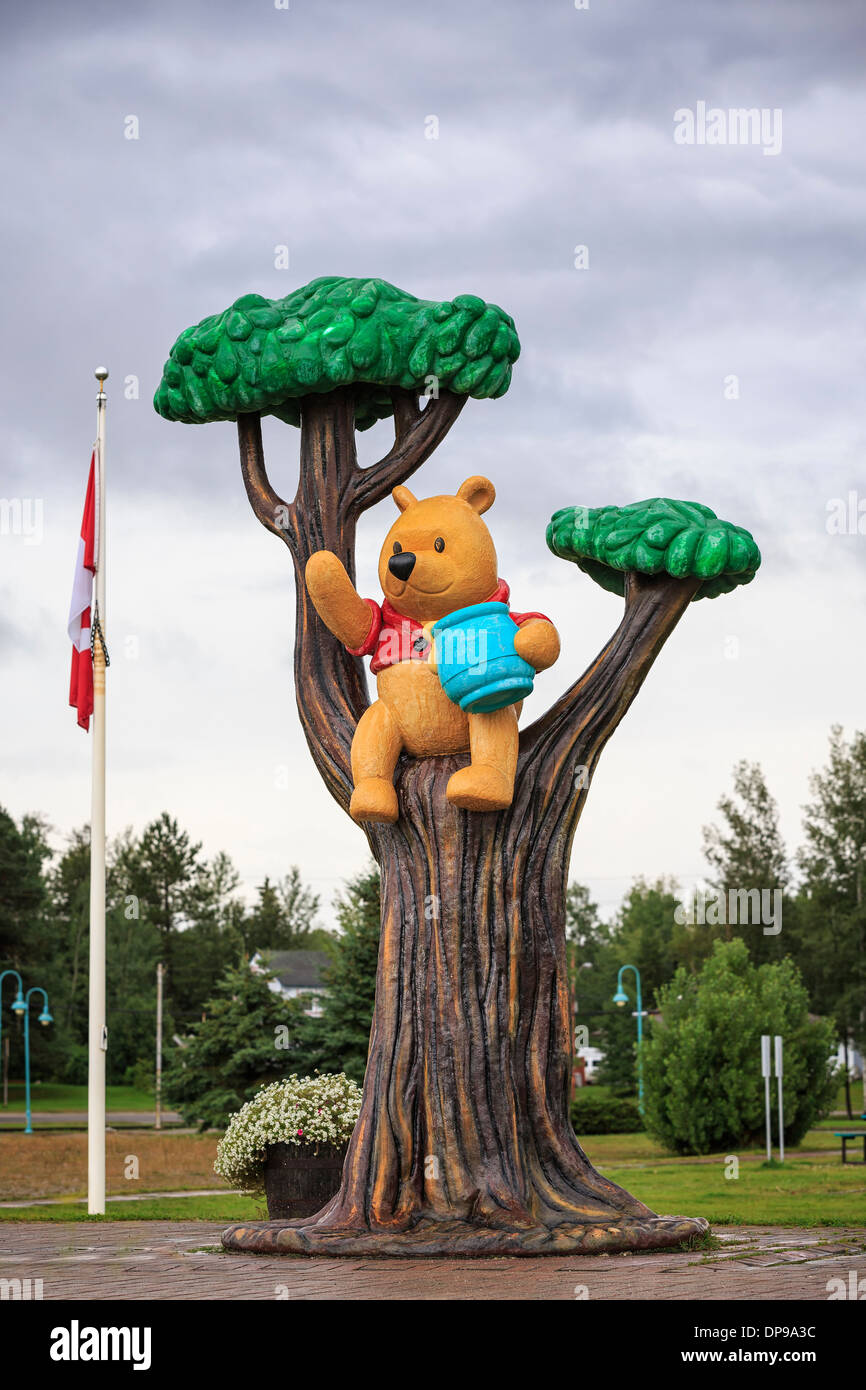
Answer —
81 680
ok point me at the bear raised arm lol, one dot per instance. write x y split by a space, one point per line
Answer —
452 663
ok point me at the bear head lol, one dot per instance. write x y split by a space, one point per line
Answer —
439 556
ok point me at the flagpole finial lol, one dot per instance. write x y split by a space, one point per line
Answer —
101 374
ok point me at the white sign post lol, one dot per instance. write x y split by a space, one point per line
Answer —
781 1108
765 1072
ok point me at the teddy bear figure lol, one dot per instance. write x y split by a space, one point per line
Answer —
437 557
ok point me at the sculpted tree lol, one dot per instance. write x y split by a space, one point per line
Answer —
463 1144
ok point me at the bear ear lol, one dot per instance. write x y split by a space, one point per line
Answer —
403 497
478 492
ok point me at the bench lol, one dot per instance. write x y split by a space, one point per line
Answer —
846 1135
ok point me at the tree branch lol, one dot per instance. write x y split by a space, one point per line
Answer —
416 434
329 683
274 514
571 735
407 411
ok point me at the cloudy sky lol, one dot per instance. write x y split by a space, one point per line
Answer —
709 346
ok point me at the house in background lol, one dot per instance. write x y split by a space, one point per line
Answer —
295 973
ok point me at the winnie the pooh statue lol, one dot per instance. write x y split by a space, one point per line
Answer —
437 558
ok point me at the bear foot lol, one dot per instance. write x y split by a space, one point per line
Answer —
480 787
374 799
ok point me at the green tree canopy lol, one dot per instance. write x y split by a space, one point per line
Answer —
244 1041
704 1092
833 897
191 902
746 852
834 855
661 535
339 1040
645 934
264 355
23 851
285 916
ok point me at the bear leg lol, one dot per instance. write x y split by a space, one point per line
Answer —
375 750
487 784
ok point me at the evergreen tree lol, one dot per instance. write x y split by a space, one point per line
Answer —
646 935
132 951
284 918
191 904
339 1039
832 904
747 853
24 851
164 870
211 940
588 953
246 1039
26 942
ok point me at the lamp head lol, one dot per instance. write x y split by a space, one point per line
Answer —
45 1017
19 1005
620 998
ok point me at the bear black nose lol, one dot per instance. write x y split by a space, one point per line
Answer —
402 565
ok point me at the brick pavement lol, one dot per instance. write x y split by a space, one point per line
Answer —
135 1260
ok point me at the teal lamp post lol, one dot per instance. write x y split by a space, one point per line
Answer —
621 998
19 1004
44 1018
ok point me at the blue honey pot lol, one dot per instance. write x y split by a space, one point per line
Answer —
476 661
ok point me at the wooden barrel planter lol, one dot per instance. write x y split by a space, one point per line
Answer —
300 1181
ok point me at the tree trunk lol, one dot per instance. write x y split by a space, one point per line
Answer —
464 1143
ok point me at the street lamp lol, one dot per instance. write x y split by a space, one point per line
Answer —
621 998
44 1018
18 1006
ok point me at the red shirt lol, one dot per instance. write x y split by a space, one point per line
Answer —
393 637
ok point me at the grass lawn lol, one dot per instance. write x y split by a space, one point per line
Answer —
46 1164
856 1098
805 1191
228 1208
626 1148
50 1095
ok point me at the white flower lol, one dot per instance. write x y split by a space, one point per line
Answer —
305 1111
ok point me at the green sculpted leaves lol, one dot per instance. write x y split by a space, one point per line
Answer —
263 354
680 538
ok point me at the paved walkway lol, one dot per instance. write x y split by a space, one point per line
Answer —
126 1260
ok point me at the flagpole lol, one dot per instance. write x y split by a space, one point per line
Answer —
97 1031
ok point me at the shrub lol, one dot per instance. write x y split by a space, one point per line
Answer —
141 1075
306 1111
702 1063
246 1039
605 1115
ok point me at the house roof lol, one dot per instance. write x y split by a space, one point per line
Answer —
297 969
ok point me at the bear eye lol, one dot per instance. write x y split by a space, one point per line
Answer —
439 544
398 549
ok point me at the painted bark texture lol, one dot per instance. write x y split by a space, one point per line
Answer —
464 1143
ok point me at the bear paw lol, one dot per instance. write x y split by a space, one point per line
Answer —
480 787
374 799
